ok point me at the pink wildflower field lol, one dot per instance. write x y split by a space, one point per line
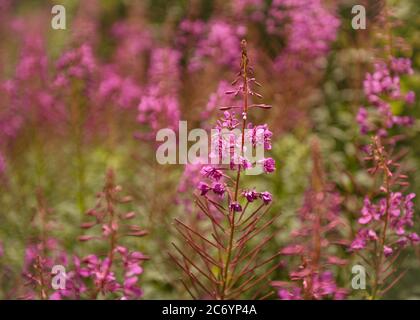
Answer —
217 150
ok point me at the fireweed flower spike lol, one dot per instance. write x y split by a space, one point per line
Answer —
309 37
41 254
382 88
103 271
314 242
387 213
159 106
385 222
223 264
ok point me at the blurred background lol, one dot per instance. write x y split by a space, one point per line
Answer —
78 101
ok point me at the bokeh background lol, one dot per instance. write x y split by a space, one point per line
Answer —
143 65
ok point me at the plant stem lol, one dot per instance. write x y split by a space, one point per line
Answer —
77 131
113 237
43 290
231 217
380 254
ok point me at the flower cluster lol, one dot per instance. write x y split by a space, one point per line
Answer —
76 63
401 210
321 285
133 42
252 195
41 254
387 213
252 9
116 274
310 28
104 279
159 106
220 43
189 31
229 146
120 90
194 172
38 263
382 87
384 221
219 200
28 96
395 207
85 24
230 143
103 271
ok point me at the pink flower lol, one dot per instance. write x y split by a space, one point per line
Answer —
260 135
388 251
410 97
133 269
308 27
401 65
220 43
131 288
414 237
76 63
269 165
235 206
337 261
211 172
204 188
250 195
159 105
293 250
362 238
362 120
266 197
369 212
291 294
371 234
381 87
358 244
219 189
